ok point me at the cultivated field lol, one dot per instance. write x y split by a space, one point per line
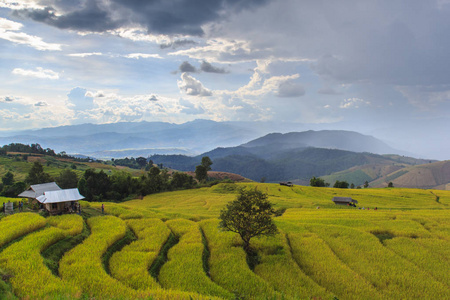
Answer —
168 246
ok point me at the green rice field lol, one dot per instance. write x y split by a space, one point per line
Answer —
169 246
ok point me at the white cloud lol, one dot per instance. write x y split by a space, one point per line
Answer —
38 73
142 55
353 103
22 4
9 31
41 103
192 86
85 54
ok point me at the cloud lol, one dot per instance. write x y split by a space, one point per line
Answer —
190 108
187 67
7 99
192 86
177 44
97 94
159 16
290 88
80 99
142 55
328 91
38 73
353 103
85 54
209 68
41 103
9 31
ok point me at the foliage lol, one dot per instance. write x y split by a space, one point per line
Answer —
250 215
201 173
317 182
37 174
341 184
67 179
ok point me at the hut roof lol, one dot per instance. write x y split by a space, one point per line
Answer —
60 196
37 190
344 200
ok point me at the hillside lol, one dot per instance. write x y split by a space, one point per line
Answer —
430 175
330 139
280 157
312 256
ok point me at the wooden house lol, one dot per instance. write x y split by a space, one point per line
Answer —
36 190
52 198
60 201
344 200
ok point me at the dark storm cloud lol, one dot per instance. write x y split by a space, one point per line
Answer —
158 16
187 67
209 68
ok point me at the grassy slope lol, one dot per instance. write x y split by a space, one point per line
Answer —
427 175
53 166
359 242
207 202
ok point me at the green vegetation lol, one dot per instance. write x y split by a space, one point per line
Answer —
399 251
250 215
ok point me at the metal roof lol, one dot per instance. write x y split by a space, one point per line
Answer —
60 196
37 190
344 199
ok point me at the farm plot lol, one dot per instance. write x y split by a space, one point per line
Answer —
131 264
82 266
30 277
17 225
389 273
185 269
228 265
278 268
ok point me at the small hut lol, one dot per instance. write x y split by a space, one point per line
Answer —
344 200
60 201
37 190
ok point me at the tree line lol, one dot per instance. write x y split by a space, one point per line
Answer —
99 186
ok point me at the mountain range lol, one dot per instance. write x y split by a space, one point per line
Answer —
255 151
125 139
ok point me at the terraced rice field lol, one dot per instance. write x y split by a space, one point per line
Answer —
176 250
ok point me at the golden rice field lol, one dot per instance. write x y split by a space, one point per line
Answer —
401 250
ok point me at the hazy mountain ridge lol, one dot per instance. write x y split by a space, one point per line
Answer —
297 157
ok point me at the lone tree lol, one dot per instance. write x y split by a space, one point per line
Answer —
201 171
250 215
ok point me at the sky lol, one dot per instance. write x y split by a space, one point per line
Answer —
376 67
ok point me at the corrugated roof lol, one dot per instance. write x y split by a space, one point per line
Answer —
37 190
60 196
344 199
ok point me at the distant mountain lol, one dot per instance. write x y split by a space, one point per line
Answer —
292 156
90 139
330 139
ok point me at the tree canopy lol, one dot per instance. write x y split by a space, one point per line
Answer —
250 215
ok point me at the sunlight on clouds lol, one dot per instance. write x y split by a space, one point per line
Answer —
142 55
353 103
38 73
85 54
22 4
9 31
